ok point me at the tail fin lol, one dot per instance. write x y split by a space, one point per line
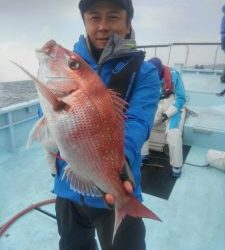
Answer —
133 208
137 209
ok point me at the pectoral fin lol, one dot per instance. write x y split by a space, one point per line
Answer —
37 132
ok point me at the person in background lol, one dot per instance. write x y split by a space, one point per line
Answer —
109 48
222 32
170 115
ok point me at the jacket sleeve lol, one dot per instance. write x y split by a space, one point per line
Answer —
179 90
141 110
222 29
179 94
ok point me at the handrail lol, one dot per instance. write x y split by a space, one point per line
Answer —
153 46
8 111
176 44
17 106
199 43
187 44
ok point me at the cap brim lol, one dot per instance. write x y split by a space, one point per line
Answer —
84 5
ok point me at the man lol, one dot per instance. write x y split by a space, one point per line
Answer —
222 32
109 48
170 115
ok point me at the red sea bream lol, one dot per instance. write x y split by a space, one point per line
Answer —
86 121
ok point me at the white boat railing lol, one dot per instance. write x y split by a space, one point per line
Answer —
9 121
14 116
187 45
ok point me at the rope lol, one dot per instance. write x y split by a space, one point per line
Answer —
4 227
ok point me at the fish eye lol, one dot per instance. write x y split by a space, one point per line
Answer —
73 64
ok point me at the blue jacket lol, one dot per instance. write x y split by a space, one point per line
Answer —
222 30
140 115
178 90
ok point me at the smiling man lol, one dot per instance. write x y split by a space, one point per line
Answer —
109 48
103 19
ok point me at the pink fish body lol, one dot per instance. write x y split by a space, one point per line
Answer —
86 121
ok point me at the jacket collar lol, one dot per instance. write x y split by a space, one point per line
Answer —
116 47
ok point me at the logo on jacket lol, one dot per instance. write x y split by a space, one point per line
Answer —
119 67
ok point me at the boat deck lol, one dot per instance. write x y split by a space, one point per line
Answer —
193 217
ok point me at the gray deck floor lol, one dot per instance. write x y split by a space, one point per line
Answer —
193 217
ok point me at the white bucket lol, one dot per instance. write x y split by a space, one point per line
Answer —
216 159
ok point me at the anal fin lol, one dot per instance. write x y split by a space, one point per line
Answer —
81 185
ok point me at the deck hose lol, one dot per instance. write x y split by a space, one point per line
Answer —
4 227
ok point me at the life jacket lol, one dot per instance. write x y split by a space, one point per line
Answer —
124 75
167 87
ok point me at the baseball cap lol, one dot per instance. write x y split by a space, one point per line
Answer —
127 5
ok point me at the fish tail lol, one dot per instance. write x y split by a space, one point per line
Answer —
137 209
134 208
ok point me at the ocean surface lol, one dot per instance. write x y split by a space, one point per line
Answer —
16 92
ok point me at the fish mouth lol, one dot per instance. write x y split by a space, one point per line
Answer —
44 54
47 48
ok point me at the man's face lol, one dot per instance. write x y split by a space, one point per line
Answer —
104 19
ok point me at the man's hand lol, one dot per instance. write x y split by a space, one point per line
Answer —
160 119
164 117
110 199
128 183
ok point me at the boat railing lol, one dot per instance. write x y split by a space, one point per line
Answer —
16 120
12 120
170 46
